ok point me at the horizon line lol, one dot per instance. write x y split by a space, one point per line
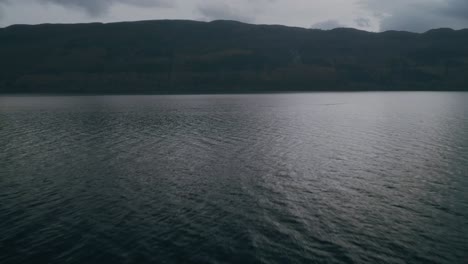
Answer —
229 20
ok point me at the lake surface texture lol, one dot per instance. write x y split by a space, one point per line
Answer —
285 178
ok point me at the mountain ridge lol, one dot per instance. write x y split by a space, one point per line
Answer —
224 56
226 21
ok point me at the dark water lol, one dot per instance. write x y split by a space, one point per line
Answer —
294 178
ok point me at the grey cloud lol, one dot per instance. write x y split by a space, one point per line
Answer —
222 10
363 22
239 10
98 7
415 22
93 8
457 8
1 7
327 25
419 15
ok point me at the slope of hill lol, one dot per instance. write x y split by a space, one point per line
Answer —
225 57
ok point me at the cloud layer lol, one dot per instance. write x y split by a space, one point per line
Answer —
93 8
98 7
419 15
221 10
327 25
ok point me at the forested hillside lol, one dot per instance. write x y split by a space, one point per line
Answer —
225 57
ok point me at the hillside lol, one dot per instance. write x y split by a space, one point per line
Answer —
225 57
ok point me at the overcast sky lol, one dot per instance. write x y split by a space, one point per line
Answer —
372 15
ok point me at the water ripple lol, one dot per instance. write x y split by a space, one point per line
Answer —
298 178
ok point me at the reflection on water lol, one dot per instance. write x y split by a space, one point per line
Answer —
326 178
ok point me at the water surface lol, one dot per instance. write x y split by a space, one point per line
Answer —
285 178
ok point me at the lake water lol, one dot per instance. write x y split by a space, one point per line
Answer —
284 178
